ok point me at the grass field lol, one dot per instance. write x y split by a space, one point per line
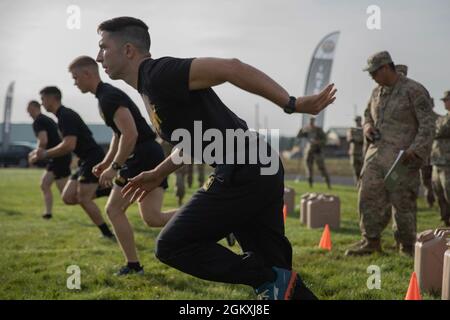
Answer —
34 253
335 167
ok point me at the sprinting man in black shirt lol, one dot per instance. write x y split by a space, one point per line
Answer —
77 138
132 150
58 169
237 198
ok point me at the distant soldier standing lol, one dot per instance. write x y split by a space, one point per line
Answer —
440 159
180 190
398 117
200 171
355 137
313 151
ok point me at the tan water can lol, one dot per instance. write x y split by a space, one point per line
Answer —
429 258
289 199
322 210
303 205
446 275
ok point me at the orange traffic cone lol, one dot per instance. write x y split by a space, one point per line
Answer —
325 241
284 213
413 289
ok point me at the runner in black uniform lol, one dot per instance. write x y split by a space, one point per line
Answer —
237 198
77 137
58 169
133 149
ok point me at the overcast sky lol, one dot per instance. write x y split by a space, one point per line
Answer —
278 37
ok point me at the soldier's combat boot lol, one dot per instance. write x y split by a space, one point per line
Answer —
446 222
327 180
407 250
430 199
363 247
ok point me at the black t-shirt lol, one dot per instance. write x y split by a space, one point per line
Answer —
44 123
110 99
71 124
164 86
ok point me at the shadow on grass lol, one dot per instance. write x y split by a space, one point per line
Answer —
10 212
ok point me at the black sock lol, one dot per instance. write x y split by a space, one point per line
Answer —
105 230
134 265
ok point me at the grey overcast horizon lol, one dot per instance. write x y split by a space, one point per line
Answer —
278 37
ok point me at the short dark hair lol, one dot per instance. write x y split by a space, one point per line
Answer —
130 30
52 91
83 61
35 104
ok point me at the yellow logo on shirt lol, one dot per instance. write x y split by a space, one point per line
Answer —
208 183
154 118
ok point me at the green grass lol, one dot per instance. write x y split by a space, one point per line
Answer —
335 167
34 253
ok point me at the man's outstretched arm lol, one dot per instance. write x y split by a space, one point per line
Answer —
209 72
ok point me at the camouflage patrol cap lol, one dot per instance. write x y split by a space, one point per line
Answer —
446 95
402 68
378 60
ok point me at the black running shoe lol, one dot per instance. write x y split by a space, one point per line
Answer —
302 292
126 270
111 237
47 216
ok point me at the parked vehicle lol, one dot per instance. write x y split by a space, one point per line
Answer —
16 154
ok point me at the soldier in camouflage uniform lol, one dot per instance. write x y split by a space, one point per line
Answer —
425 171
355 137
313 151
440 159
398 117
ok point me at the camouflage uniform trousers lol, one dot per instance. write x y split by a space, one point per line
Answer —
356 160
309 164
190 173
375 201
187 172
425 177
441 186
180 189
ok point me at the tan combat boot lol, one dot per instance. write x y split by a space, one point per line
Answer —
363 247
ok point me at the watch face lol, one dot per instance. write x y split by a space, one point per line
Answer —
289 109
116 166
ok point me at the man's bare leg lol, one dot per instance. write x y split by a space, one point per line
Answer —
82 193
150 209
115 208
69 193
46 188
60 184
85 194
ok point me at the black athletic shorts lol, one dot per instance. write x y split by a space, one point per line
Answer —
84 172
147 155
60 167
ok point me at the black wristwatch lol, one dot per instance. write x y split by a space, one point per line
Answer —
116 166
290 107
